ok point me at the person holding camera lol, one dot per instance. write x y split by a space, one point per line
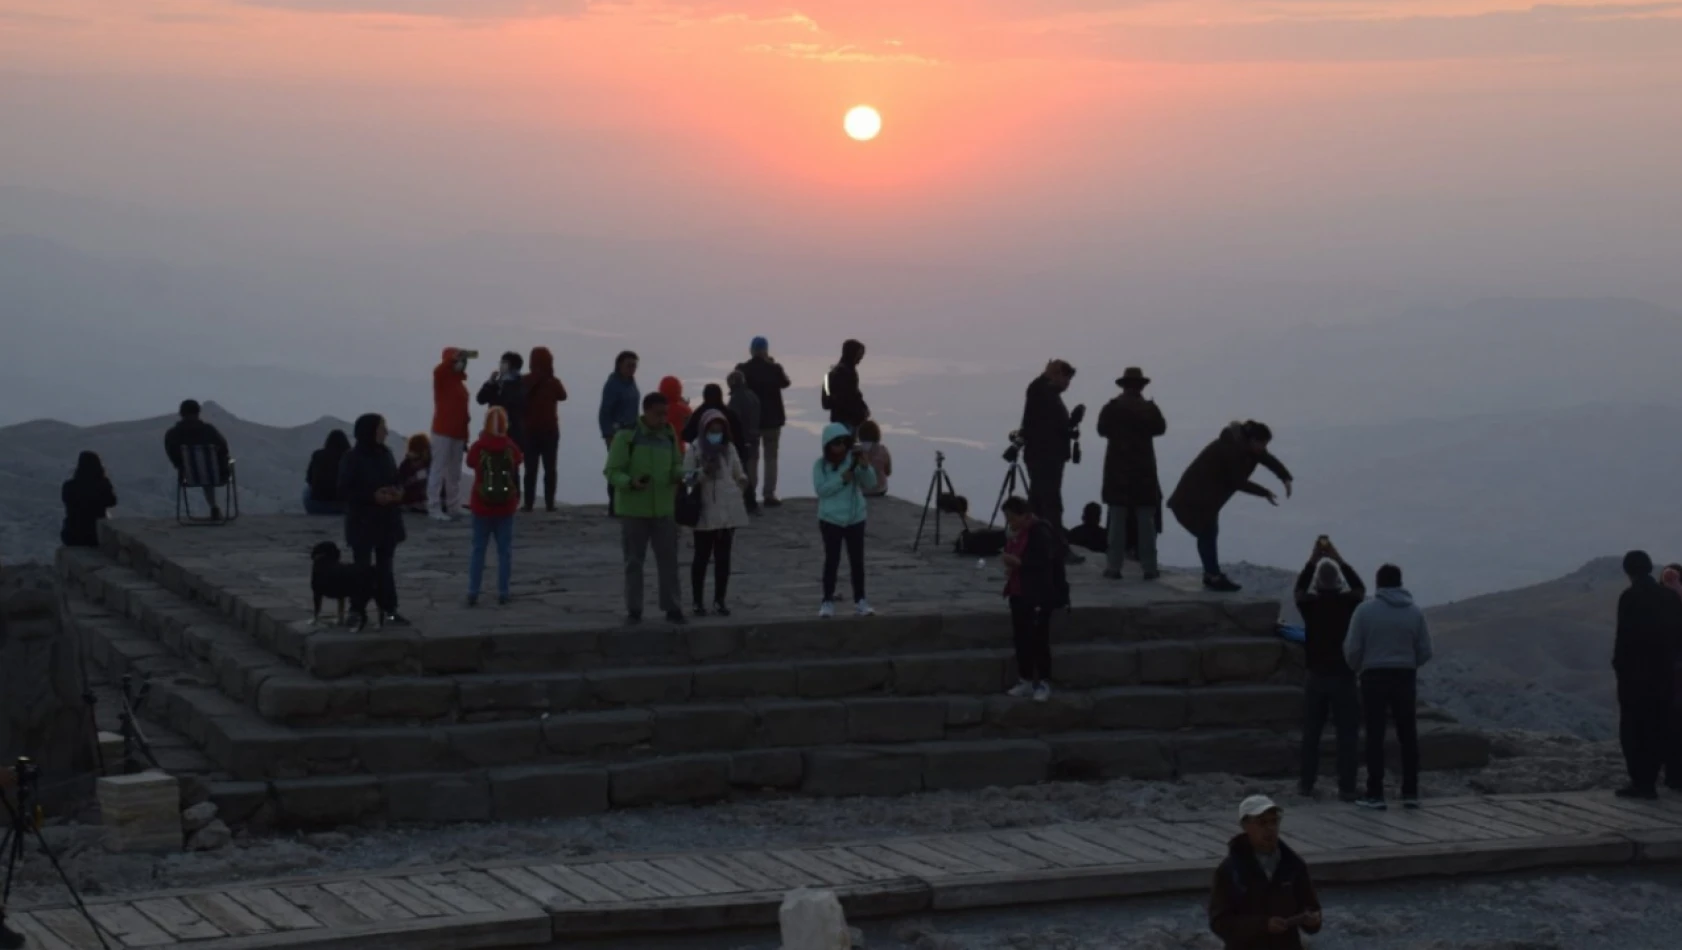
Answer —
1221 470
506 390
1327 593
644 468
1130 424
450 423
841 393
841 477
1047 436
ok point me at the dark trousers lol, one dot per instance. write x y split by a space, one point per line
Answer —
1208 548
1030 627
1045 491
708 545
1644 711
1673 736
1337 697
541 447
833 537
1393 695
378 558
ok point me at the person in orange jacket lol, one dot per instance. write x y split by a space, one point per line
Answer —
678 410
450 421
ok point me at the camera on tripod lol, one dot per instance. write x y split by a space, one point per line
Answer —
1013 452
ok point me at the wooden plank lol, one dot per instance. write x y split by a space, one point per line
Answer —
1191 848
1124 839
129 926
1660 817
368 901
411 898
1217 837
1417 822
959 848
750 880
440 886
1365 823
490 889
579 886
325 907
611 876
686 870
828 874
534 887
36 934
917 851
270 906
1498 829
658 879
1079 843
177 919
856 865
1178 849
1612 820
1022 860
906 866
787 876
72 928
1058 857
228 914
1335 835
1562 824
1532 826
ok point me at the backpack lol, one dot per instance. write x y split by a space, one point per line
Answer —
825 393
496 478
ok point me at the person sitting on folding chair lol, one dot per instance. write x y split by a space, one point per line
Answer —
186 444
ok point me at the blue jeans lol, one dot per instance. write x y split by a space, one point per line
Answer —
502 529
1207 549
313 507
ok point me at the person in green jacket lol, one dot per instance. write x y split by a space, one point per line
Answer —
842 477
644 469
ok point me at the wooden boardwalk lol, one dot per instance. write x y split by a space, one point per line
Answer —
536 902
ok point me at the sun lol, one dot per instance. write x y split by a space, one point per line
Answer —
862 123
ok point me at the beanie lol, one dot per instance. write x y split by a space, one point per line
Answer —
759 345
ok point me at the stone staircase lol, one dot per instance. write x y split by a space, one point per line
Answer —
307 725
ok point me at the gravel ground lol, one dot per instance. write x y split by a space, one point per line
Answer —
1525 762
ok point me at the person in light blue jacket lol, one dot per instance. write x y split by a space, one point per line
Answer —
842 477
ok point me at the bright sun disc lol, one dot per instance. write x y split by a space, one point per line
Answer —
863 123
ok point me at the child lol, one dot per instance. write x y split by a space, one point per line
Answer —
1091 534
415 472
841 477
877 456
495 461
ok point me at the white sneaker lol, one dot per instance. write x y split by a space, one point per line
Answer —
826 610
1022 690
862 608
1042 691
440 516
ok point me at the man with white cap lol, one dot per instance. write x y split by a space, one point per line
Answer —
1262 897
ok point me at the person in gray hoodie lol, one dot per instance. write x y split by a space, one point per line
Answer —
1387 644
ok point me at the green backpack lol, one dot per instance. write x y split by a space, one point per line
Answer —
496 478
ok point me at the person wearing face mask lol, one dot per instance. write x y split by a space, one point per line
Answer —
876 455
712 399
506 390
840 477
713 463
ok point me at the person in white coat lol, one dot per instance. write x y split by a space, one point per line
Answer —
713 463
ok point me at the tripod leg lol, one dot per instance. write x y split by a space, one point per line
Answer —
934 483
1005 490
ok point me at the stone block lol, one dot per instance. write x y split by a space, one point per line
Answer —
1062 712
593 733
1091 665
1088 756
239 802
959 672
325 802
968 765
292 699
482 744
333 655
141 813
800 722
977 630
1140 707
455 796
767 768
1241 753
745 681
423 699
1167 663
864 771
548 791
700 728
195 817
452 653
813 920
1246 706
1241 660
639 687
392 751
690 778
532 693
708 643
963 711
828 679
895 719
639 644
1446 748
211 837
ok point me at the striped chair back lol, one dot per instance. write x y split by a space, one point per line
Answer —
201 468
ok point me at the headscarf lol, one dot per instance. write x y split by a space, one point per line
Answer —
712 456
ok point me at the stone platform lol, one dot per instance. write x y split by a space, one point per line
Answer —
553 706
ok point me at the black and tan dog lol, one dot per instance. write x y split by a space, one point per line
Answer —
332 578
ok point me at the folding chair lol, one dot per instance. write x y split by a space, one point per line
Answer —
202 469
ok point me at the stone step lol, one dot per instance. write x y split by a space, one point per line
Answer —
463 641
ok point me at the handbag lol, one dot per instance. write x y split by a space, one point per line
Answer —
687 511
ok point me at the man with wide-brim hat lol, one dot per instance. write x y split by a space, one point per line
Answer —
1263 898
1130 424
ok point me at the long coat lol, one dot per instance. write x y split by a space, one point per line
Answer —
1130 423
1221 470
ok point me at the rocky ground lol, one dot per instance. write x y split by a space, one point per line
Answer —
1525 762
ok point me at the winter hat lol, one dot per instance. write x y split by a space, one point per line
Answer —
1328 576
759 345
496 421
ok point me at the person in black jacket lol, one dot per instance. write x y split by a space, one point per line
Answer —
1328 591
191 431
87 496
841 394
373 498
1036 587
506 388
1221 470
712 399
1047 437
1262 897
1130 424
767 378
1644 656
321 480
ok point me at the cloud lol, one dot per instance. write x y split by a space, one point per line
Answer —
441 9
818 52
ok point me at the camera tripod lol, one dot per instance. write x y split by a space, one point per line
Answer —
943 498
20 824
1015 477
134 738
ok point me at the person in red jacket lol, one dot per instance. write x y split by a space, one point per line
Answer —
678 410
495 461
450 421
544 395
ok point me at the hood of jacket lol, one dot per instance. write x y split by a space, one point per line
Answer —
835 430
367 429
542 362
672 388
1394 596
